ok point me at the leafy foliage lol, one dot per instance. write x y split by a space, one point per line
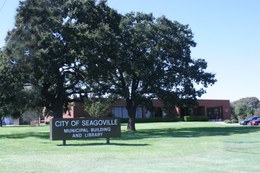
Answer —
152 60
98 107
54 43
196 118
30 115
246 106
13 95
80 50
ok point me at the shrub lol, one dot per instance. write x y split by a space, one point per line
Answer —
241 117
228 121
152 120
196 118
234 121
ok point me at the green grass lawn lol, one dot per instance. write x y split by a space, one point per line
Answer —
155 148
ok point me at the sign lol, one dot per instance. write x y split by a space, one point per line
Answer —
75 129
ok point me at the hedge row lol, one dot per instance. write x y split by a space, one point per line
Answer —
196 118
153 119
166 119
229 121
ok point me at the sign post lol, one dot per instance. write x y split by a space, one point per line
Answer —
76 129
108 141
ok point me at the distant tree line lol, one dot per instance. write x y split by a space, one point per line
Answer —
245 107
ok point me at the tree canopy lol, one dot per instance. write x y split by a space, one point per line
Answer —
248 106
152 60
73 50
11 88
54 42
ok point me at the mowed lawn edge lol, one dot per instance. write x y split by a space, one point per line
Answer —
155 147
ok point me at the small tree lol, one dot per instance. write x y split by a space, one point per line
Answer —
31 115
12 95
97 107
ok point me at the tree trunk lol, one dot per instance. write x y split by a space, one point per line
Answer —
1 122
57 109
60 98
131 124
131 108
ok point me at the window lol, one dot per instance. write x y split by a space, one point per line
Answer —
121 112
138 112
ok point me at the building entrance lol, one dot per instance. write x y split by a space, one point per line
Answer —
215 113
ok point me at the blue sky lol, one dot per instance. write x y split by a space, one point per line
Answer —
227 33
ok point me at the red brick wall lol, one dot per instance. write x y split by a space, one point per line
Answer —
78 111
224 104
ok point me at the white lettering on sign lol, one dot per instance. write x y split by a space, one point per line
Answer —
74 123
93 134
78 130
61 123
76 135
113 122
104 129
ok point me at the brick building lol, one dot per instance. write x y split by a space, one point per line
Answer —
214 109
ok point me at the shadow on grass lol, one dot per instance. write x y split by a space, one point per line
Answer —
248 146
193 132
104 144
155 133
41 135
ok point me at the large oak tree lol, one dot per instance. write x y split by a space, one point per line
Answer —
54 42
153 60
78 49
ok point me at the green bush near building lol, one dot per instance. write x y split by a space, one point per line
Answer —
168 119
196 118
152 120
230 121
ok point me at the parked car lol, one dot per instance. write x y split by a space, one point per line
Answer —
248 120
255 122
